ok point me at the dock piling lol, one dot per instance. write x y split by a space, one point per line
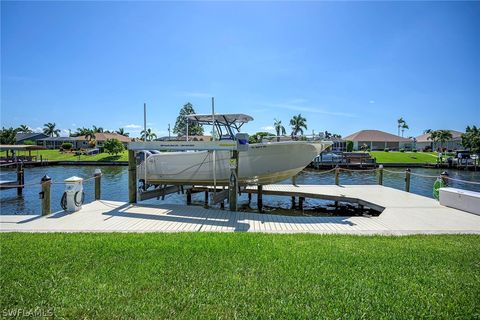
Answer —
407 179
46 183
293 203
380 174
205 202
132 177
233 182
98 176
189 197
300 202
337 175
20 178
260 198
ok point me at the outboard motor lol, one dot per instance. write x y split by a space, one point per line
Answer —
73 196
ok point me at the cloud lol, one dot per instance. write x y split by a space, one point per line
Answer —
268 128
132 126
37 129
300 108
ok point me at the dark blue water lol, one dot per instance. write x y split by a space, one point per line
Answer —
115 186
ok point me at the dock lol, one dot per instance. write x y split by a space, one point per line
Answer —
403 213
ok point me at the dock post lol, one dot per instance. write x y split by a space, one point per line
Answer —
205 202
380 174
300 202
189 197
337 175
293 203
46 183
294 180
20 178
98 177
249 198
260 198
407 179
233 182
132 177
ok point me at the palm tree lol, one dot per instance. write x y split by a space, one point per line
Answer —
97 129
400 123
81 132
404 127
122 132
443 136
24 129
279 128
50 130
298 123
89 135
427 131
149 135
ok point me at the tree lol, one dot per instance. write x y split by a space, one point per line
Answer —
400 123
180 128
24 129
97 129
404 127
50 129
113 146
444 136
258 137
81 132
149 134
122 132
89 135
298 123
279 128
427 131
349 146
7 135
471 139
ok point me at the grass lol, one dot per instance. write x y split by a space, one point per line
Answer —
192 275
70 156
404 157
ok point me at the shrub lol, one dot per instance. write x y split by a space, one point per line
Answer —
67 145
28 142
78 153
414 150
386 150
349 146
113 146
402 150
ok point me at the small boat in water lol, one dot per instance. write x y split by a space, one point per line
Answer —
261 163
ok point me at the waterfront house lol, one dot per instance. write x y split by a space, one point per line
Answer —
99 140
56 142
21 137
423 142
378 140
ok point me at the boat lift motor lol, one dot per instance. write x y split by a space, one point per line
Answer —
73 196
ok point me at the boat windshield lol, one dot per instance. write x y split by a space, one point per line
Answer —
226 125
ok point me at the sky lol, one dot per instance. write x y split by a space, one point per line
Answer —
345 66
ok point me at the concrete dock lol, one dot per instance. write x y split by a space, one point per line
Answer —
403 213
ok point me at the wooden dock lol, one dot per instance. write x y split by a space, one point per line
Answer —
403 213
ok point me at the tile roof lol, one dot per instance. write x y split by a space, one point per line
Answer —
102 136
424 137
375 135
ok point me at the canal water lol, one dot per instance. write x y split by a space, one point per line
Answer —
115 186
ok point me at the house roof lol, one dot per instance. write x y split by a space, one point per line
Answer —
102 136
57 139
375 135
28 135
424 137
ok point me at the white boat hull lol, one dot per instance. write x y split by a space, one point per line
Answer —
263 163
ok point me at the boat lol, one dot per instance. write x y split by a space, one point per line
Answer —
262 163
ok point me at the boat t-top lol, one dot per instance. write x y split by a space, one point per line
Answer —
261 163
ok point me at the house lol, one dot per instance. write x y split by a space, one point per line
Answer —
56 142
378 140
423 142
21 137
99 140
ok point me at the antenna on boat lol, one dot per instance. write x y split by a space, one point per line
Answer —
214 153
145 121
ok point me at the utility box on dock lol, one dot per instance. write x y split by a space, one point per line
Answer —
73 194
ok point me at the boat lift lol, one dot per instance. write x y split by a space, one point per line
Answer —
234 146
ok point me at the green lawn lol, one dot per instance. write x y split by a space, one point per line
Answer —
70 156
404 157
202 275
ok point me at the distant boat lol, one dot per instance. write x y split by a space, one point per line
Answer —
262 163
